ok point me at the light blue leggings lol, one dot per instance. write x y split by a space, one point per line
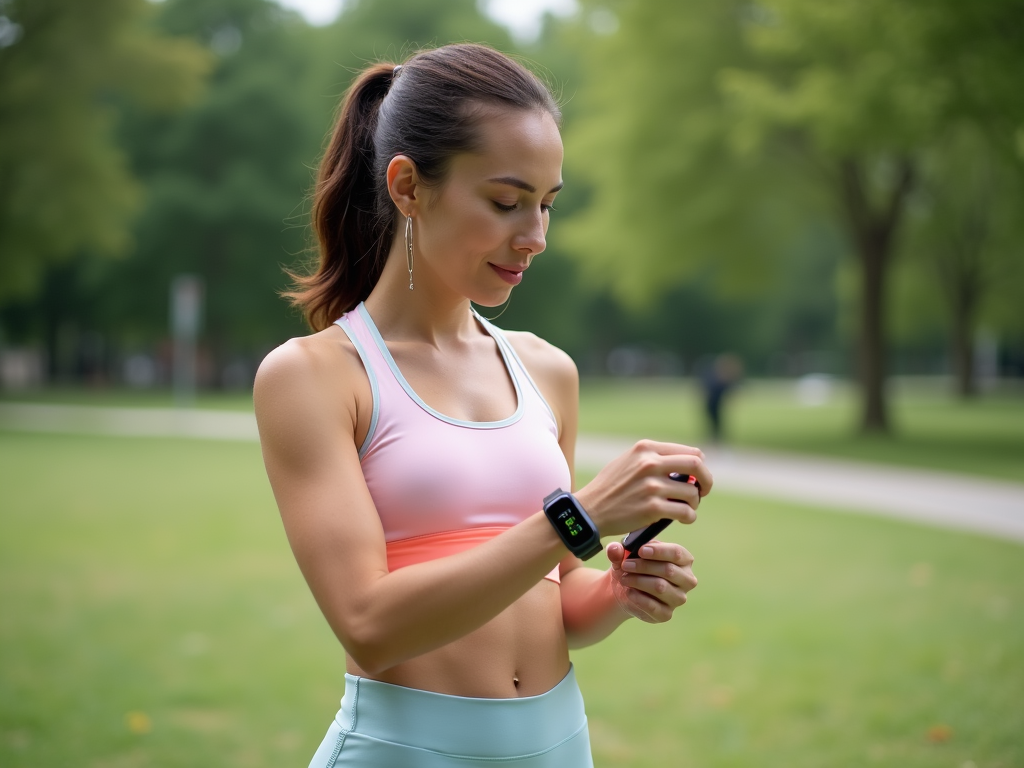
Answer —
380 724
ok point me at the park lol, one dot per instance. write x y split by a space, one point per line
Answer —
856 242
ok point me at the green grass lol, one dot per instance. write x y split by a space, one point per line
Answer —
153 577
931 429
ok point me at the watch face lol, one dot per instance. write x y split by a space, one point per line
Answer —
568 520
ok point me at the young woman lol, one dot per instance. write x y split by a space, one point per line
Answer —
421 458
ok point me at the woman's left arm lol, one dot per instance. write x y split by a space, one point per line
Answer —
596 602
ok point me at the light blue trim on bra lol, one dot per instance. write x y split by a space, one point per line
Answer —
379 341
342 323
497 333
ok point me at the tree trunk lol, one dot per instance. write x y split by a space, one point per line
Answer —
875 413
963 358
965 290
872 233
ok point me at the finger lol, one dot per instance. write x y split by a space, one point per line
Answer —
668 449
687 493
670 590
615 553
679 575
647 608
682 513
687 464
665 551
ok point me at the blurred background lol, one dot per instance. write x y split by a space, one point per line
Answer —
787 225
834 193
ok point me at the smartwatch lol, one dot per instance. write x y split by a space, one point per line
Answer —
572 524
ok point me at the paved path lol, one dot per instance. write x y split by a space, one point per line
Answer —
991 507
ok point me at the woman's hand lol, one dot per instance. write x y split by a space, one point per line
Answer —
635 489
653 585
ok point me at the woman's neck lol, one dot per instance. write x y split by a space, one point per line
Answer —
430 313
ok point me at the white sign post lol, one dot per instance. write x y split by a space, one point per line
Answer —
186 318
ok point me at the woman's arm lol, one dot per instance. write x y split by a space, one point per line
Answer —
595 602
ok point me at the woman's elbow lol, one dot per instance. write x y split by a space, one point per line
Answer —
367 645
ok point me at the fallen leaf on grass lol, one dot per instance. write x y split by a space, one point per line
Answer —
138 722
940 733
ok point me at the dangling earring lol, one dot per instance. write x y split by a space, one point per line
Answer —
408 246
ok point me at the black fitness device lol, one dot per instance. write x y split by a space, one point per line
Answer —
572 523
641 536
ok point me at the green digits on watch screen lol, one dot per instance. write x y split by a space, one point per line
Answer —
572 523
572 527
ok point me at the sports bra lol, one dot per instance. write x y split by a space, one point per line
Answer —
444 485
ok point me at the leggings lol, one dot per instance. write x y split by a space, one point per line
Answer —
380 724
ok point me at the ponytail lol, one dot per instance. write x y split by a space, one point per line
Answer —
428 116
354 236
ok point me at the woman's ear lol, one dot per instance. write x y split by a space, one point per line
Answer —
403 184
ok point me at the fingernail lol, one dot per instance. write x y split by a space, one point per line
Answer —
629 565
646 551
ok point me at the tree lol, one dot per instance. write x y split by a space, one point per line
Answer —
670 198
65 186
719 131
967 232
869 88
226 180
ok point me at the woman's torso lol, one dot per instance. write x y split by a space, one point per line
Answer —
476 453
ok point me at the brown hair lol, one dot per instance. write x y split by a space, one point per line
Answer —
427 112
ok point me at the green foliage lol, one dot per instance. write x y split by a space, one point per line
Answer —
372 30
966 226
670 195
65 184
226 179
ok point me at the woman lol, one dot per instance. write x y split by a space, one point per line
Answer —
415 450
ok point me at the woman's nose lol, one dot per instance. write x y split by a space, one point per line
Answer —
532 237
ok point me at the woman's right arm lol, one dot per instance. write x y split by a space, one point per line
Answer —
307 398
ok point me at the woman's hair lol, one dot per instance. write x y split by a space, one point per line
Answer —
429 109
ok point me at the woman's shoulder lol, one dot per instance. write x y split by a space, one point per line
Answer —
545 362
310 375
306 358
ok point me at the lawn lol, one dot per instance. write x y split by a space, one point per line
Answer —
153 616
930 428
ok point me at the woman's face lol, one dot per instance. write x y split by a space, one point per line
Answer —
478 232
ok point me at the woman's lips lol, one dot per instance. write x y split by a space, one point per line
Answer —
510 276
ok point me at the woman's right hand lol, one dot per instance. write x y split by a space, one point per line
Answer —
635 490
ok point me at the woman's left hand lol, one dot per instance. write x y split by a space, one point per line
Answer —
653 585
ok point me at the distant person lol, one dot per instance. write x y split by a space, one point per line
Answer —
422 458
721 376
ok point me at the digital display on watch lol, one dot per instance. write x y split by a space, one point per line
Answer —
567 518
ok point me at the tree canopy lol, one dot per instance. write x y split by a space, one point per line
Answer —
65 182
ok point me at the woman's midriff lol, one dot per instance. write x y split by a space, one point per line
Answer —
520 652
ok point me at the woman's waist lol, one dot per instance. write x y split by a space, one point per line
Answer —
520 652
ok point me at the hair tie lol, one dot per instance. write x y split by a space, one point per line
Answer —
395 72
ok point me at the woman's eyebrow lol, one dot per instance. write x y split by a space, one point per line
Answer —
512 181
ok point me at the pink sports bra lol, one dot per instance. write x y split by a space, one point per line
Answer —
443 485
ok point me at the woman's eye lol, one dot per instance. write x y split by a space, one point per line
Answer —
547 208
506 208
